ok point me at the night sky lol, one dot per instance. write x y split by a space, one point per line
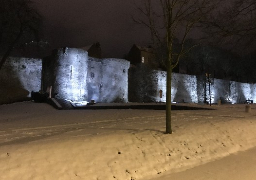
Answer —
79 23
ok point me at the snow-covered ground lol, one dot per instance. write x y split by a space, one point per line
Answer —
38 142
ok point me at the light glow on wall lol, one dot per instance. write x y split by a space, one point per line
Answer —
22 73
77 103
230 99
72 81
142 59
191 84
174 91
70 72
161 85
246 90
253 92
175 79
233 92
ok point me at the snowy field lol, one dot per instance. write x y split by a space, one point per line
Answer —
38 142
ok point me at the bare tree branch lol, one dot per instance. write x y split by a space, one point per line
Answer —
176 18
18 20
235 25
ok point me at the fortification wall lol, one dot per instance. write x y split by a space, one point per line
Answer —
115 80
66 70
107 80
18 77
94 79
145 86
75 76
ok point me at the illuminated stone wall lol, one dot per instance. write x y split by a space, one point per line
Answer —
145 85
94 79
231 92
107 80
18 77
114 80
77 77
65 70
70 71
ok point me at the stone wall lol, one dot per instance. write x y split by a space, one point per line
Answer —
66 70
18 77
75 76
145 85
107 80
94 79
142 84
115 80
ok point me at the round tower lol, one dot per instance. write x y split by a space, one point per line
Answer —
70 71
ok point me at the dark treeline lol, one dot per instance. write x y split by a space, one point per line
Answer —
220 63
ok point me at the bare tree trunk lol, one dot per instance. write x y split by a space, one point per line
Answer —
169 99
168 19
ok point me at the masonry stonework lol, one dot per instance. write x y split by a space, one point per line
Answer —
145 85
18 77
75 76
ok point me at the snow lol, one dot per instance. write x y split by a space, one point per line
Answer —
237 166
39 142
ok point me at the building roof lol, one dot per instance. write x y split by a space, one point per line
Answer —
86 48
146 49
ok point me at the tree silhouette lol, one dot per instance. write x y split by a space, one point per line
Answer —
170 19
234 26
19 21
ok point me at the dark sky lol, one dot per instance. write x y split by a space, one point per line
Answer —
78 23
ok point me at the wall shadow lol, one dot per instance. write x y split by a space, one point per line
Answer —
11 87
